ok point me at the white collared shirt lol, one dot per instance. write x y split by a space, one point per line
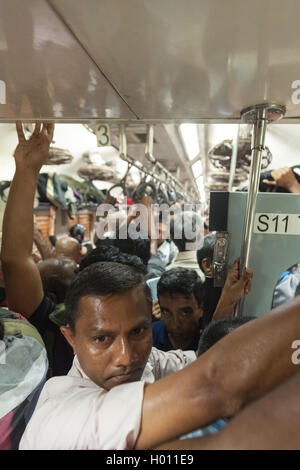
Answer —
75 413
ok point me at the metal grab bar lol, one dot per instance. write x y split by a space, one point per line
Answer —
259 116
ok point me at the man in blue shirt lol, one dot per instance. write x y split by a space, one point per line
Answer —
180 294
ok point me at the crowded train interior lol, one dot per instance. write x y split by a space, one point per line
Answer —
150 225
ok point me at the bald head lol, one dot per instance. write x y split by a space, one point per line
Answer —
57 275
68 247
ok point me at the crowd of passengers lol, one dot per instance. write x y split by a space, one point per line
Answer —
127 344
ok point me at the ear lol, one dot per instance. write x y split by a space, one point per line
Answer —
69 335
207 266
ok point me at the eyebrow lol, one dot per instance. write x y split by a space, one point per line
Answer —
104 332
163 308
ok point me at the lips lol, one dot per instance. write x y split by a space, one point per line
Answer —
176 335
124 378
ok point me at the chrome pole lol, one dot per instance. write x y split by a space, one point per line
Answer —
123 142
235 146
259 116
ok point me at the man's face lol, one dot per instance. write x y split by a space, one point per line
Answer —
181 315
113 337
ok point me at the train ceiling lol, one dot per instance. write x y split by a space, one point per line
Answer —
141 61
167 60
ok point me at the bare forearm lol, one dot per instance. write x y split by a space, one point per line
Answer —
238 369
272 422
21 276
257 356
295 188
17 237
224 308
43 247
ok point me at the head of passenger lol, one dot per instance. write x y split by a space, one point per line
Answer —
218 329
109 327
57 275
206 253
163 224
77 231
108 252
180 294
186 230
68 247
137 247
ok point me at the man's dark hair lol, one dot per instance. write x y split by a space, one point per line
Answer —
103 279
181 281
179 223
108 252
56 275
139 247
207 250
218 329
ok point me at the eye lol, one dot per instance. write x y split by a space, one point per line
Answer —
138 331
101 339
187 311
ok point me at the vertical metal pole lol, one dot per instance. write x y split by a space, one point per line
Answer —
257 145
235 146
149 142
123 142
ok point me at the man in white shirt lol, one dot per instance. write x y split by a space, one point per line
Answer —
86 409
121 393
106 400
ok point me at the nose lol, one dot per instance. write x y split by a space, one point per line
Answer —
124 354
176 322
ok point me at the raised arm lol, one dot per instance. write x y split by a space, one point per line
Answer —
21 276
270 423
285 178
234 288
238 369
43 247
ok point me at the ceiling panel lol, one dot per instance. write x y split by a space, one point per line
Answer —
192 59
44 71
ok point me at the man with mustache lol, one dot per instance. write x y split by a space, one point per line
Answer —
120 392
